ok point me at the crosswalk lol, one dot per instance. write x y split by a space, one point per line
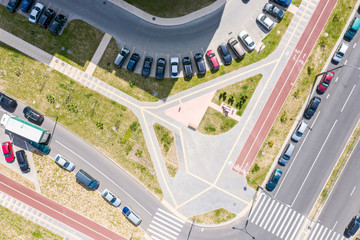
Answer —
165 226
283 222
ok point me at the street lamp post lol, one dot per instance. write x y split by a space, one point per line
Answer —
244 229
52 133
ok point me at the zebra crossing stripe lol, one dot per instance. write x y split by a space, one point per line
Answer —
274 220
293 225
288 223
317 234
278 222
333 235
166 223
163 232
170 215
258 209
313 231
164 227
264 208
272 213
297 228
153 232
265 217
170 220
154 238
284 221
327 237
324 233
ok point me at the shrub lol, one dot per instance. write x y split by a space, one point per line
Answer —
100 125
50 98
134 126
256 168
209 128
283 117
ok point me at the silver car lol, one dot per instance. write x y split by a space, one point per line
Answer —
300 129
265 21
111 198
64 163
247 40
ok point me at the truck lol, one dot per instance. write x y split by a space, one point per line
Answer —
25 129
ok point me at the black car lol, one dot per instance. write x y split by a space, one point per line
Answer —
121 57
311 108
200 64
57 24
25 5
33 116
22 161
187 67
133 61
274 11
160 68
12 5
7 101
46 18
225 54
147 66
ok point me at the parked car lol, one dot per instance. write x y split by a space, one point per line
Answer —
41 147
121 57
247 40
134 59
131 216
12 5
36 12
274 11
147 66
7 101
25 5
340 52
225 54
214 64
266 22
8 151
87 179
57 25
311 108
160 68
237 49
200 64
325 82
22 161
33 116
353 28
46 18
286 155
352 227
274 179
299 131
111 198
187 67
283 3
64 162
174 67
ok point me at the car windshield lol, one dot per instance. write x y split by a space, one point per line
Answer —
22 164
66 164
263 18
32 17
339 54
113 200
330 74
211 55
7 155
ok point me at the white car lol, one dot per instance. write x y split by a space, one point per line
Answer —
247 40
300 129
174 67
36 12
265 21
64 163
340 52
111 198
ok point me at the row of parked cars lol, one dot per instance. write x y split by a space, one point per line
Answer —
39 15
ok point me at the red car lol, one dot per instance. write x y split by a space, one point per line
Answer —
8 151
325 82
214 64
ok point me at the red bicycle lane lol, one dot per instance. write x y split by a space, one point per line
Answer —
55 210
283 86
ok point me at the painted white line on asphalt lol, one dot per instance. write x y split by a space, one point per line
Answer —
270 219
176 223
288 223
348 98
267 213
328 96
264 208
312 125
274 219
158 234
297 228
354 45
328 235
352 191
258 208
333 236
284 221
338 237
292 226
166 223
170 215
345 62
314 231
307 175
336 79
163 232
278 222
334 225
322 236
166 228
154 238
104 176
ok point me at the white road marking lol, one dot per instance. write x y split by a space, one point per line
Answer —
265 207
314 231
327 96
288 224
176 223
153 232
274 220
354 45
159 230
178 219
345 62
104 176
297 228
307 175
336 79
166 228
278 222
352 191
334 225
267 213
166 223
293 225
272 213
258 209
284 221
348 97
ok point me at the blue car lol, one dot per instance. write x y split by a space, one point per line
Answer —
25 5
284 3
274 179
311 108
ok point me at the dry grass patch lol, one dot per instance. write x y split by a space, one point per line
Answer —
168 148
214 217
15 176
296 2
15 226
215 123
110 127
300 92
61 186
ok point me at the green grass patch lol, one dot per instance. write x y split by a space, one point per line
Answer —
79 39
214 217
150 89
214 122
15 226
170 8
81 110
300 91
296 2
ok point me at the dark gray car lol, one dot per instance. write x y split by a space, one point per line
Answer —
225 54
200 64
121 57
187 67
311 108
274 11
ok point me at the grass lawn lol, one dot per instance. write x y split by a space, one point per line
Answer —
15 226
214 217
165 138
110 127
296 2
143 89
300 92
78 37
214 122
61 186
170 8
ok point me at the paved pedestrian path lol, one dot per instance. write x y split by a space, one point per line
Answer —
98 54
